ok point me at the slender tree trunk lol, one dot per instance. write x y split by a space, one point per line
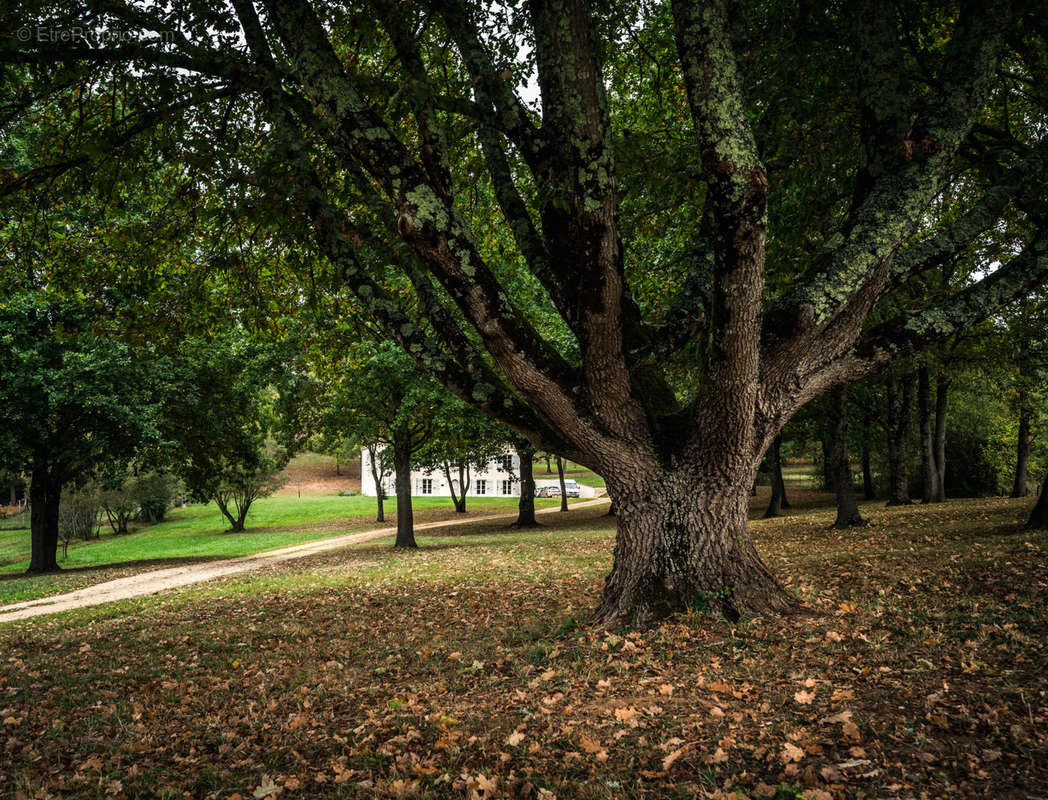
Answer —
785 502
778 490
1022 450
563 488
549 468
338 468
446 468
1039 515
241 517
929 474
45 494
683 544
236 524
900 401
868 490
405 516
376 476
526 506
827 461
847 503
11 484
460 504
942 399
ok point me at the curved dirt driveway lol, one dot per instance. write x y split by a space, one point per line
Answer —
162 579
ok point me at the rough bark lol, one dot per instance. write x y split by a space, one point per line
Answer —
1039 516
45 494
778 488
929 473
526 506
847 504
942 400
405 516
900 401
683 544
1022 448
563 488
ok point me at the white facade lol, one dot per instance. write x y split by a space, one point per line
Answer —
499 478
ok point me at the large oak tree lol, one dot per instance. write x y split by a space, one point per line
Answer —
807 161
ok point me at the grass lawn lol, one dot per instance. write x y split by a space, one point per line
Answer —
466 670
197 532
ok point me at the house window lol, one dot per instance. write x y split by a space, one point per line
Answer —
427 486
507 487
482 487
507 463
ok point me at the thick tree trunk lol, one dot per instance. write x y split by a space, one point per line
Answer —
929 473
526 506
683 544
868 490
1039 515
45 494
847 503
1022 450
942 395
405 516
899 404
563 488
778 487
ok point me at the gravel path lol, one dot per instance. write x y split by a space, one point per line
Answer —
163 579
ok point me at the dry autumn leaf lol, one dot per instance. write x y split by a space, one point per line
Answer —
669 760
804 698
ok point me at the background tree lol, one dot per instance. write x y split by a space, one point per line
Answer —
563 488
464 440
847 504
387 404
233 421
74 399
526 478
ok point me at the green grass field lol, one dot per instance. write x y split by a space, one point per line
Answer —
198 532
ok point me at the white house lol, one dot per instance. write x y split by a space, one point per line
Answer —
499 478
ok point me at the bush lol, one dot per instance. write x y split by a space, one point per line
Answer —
78 514
156 491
